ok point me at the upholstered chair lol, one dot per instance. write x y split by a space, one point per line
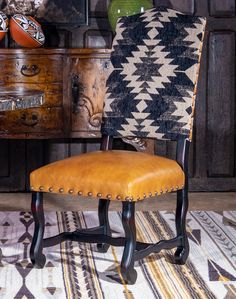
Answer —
151 90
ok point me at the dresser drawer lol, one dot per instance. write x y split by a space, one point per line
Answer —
32 120
29 69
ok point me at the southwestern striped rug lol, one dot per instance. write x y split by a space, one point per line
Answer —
75 271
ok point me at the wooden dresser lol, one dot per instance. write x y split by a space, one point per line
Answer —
72 83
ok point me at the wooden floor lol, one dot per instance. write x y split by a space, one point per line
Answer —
197 201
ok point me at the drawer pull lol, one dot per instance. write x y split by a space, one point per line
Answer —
29 120
30 70
106 64
75 89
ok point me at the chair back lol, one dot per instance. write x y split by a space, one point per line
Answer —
151 87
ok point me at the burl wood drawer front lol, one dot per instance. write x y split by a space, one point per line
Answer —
87 106
32 120
52 92
32 69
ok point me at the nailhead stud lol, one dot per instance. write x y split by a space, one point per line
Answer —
71 191
127 198
31 188
144 195
118 197
80 193
61 190
150 194
90 193
99 195
41 188
50 189
108 196
161 191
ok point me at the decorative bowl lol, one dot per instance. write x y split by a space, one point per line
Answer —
4 22
26 31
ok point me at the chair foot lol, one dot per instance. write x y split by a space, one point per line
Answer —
103 208
128 272
38 261
129 275
37 257
181 254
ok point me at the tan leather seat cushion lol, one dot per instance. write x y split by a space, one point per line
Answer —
122 175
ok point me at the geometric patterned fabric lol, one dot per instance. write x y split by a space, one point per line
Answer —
75 270
151 86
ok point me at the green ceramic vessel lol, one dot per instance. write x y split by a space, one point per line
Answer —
119 8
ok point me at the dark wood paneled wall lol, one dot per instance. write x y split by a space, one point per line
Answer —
221 104
212 157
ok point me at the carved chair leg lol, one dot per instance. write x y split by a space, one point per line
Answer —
37 257
103 207
128 272
182 251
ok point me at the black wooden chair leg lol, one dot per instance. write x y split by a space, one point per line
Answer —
128 272
103 207
37 257
182 252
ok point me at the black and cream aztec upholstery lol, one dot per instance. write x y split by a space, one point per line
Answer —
151 86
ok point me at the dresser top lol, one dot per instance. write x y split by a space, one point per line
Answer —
53 51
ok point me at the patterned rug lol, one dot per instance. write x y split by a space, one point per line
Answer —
75 271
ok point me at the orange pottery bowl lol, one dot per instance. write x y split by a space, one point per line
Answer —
4 22
26 31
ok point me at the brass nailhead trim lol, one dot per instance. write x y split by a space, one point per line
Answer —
41 188
118 197
31 188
